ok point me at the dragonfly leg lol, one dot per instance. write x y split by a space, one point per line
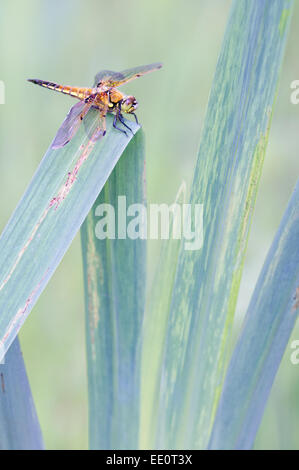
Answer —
120 117
135 118
118 128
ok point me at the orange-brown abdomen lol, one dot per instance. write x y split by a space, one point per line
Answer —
78 92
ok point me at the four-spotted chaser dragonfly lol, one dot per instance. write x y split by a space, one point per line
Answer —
104 96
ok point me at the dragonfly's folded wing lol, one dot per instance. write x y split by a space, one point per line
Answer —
97 129
71 124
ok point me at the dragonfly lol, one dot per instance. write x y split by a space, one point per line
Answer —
104 96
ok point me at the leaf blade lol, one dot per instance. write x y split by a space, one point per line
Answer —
47 218
226 177
114 279
268 324
19 426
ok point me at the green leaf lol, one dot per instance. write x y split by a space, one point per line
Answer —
19 427
58 199
268 324
114 278
154 331
226 177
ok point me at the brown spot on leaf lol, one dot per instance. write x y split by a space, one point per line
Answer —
2 383
296 299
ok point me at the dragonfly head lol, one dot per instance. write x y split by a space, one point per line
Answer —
129 104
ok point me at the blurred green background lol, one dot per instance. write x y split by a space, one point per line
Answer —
68 42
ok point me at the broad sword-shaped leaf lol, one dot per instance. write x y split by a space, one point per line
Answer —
226 178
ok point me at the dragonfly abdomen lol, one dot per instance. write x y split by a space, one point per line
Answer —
77 92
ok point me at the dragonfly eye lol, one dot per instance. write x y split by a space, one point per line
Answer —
129 104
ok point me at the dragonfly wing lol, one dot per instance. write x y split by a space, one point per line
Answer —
98 130
115 79
104 75
71 124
